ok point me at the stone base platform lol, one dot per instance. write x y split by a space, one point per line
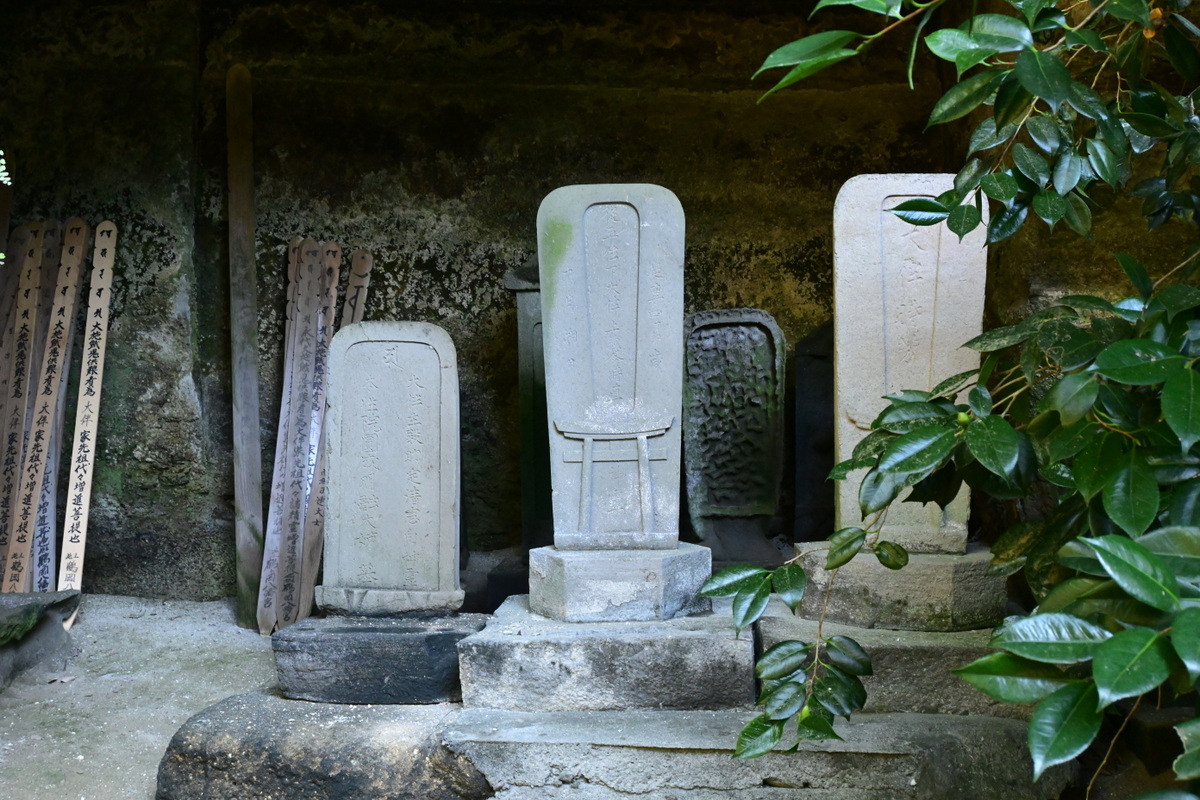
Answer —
408 659
524 661
254 746
934 592
618 585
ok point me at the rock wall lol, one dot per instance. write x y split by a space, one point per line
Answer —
428 133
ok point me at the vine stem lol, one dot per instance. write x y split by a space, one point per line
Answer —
1175 269
1088 793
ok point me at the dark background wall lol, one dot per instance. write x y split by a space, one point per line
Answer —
428 133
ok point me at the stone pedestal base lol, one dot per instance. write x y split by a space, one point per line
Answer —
618 585
365 602
373 660
935 592
526 662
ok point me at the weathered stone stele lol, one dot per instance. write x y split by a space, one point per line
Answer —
392 523
733 430
611 273
905 299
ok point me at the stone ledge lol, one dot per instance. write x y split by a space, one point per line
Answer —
525 661
368 602
373 659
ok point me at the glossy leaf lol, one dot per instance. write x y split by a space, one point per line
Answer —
964 97
1000 186
951 385
784 700
918 450
1138 571
789 582
1031 163
963 219
1050 206
1012 679
905 417
843 546
815 727
1178 547
1137 362
1133 10
891 555
1085 100
1010 550
1182 54
1073 397
750 603
1044 132
1067 171
808 68
1185 639
1185 504
1079 215
840 693
848 656
806 49
1187 765
1006 34
758 737
1104 162
877 490
1045 76
729 581
940 487
1006 222
996 444
1063 725
1097 464
1131 663
1013 101
1136 273
782 659
871 445
1131 497
1181 405
921 211
1050 638
980 401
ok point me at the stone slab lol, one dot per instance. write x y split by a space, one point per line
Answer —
373 660
392 516
31 629
685 755
525 661
610 261
905 299
911 668
618 585
256 746
934 592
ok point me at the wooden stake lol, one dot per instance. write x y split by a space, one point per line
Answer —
21 247
356 288
87 409
45 405
243 323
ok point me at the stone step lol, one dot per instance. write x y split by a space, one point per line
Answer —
524 661
686 755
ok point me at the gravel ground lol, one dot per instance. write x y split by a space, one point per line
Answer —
94 723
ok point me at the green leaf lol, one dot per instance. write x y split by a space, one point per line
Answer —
1131 498
1138 571
887 8
1078 555
1104 162
1067 171
843 546
986 136
848 656
1006 34
1000 338
1134 10
750 603
891 555
1177 298
964 219
806 49
1138 362
1050 638
1185 638
1013 102
979 400
842 694
1087 38
758 737
1012 679
814 727
731 580
1178 547
1182 54
877 490
1031 164
1044 132
1097 464
948 43
1187 766
784 700
1045 76
1136 273
1185 504
1073 397
789 582
1079 216
1063 725
1000 186
782 660
1006 222
940 487
1131 663
921 211
917 450
1150 125
1181 405
996 444
951 385
871 445
964 97
1085 100
809 68
1010 550
1050 206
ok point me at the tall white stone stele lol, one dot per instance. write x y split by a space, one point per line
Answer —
905 300
392 518
611 272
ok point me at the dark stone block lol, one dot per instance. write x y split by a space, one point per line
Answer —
412 659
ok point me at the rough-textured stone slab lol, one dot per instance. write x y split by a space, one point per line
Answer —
733 430
373 659
256 746
610 260
685 755
905 299
392 520
31 629
618 585
527 662
935 592
911 668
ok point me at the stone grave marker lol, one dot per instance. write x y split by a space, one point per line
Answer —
391 577
733 430
611 276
